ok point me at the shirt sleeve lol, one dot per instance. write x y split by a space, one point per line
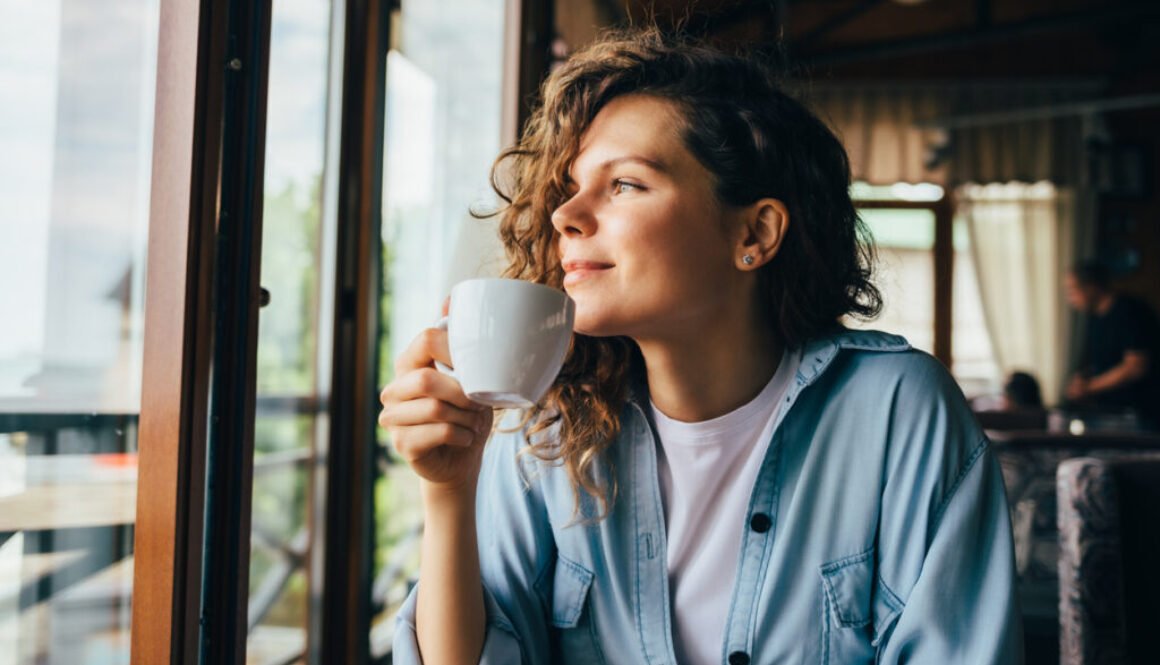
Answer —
515 546
945 545
962 606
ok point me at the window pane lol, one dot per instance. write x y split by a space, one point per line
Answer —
75 159
905 273
442 133
294 349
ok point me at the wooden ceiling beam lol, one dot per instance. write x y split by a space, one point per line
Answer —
837 21
698 19
996 33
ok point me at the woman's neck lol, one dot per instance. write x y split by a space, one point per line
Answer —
700 374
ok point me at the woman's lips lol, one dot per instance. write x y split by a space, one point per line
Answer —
578 271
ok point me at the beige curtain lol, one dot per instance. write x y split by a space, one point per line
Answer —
878 126
1023 240
1047 148
888 132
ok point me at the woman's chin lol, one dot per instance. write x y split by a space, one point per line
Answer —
594 327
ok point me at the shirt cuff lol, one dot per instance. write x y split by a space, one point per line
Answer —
501 644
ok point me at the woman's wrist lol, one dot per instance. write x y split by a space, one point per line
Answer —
448 498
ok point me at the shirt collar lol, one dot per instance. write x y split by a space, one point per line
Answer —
820 352
816 356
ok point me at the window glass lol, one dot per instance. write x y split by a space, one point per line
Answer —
76 129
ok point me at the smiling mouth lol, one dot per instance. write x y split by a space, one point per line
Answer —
577 271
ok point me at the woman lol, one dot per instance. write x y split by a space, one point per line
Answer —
722 473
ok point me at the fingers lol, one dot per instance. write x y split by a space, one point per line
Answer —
426 382
424 408
429 410
429 345
446 305
417 441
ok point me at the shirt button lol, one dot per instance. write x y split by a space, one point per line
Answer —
760 523
738 658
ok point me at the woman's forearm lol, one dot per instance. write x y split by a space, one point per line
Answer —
450 616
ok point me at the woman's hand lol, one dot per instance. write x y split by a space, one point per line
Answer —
434 426
441 435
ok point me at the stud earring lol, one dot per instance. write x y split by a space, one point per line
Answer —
747 260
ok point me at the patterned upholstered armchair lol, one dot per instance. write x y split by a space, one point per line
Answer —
1029 461
1109 577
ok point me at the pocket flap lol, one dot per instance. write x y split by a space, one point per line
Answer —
849 584
569 591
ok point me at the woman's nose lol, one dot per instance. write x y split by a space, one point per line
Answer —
574 217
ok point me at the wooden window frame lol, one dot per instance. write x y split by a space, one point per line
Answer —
190 583
176 361
352 445
529 26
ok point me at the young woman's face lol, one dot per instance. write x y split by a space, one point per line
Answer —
647 250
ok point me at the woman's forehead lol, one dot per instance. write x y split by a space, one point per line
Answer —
637 128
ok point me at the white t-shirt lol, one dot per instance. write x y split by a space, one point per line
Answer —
707 470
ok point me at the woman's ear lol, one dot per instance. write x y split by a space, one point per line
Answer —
763 227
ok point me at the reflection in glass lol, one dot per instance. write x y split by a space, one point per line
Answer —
75 159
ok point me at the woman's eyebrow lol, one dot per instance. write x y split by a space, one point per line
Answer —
647 162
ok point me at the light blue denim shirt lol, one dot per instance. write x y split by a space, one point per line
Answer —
877 532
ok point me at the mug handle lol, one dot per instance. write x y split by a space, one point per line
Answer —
442 325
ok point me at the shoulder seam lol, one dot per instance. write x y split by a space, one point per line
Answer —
967 466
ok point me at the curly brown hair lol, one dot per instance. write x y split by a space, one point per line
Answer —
757 142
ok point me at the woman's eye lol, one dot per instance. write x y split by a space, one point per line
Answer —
622 186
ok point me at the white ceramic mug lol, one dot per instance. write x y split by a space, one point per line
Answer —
508 339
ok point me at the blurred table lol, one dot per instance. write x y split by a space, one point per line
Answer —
75 514
1089 440
69 506
68 491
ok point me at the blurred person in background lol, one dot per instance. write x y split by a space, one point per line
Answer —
1022 392
1117 369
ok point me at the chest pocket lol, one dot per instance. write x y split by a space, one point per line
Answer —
574 639
854 611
